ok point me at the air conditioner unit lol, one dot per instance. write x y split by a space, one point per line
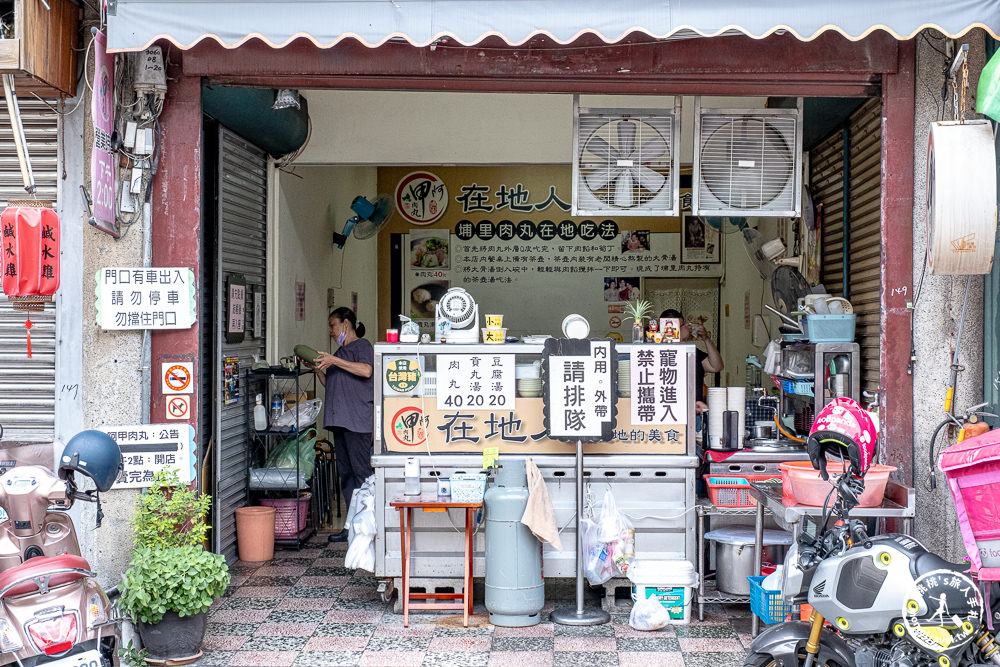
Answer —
626 161
747 162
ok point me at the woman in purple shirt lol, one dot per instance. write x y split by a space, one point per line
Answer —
349 404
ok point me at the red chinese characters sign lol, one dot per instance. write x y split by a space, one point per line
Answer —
30 251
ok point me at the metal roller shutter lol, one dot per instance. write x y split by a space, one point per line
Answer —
27 386
242 248
864 240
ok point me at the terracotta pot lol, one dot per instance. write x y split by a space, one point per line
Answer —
176 639
255 533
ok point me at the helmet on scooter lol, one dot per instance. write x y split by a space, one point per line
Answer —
95 454
844 430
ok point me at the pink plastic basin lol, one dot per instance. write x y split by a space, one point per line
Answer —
802 483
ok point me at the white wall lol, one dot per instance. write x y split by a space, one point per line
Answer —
312 203
400 127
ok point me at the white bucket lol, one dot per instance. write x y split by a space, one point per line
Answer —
672 582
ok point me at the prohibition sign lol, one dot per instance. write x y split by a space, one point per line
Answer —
177 378
178 407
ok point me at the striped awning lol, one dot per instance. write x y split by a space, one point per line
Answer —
135 24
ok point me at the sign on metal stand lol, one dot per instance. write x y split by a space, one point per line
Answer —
579 392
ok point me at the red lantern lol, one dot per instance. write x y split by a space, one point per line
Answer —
30 256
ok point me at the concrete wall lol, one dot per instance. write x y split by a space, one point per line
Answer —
313 202
938 311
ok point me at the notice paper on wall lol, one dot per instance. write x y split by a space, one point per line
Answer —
147 449
145 298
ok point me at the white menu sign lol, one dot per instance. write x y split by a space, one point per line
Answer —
150 448
580 393
145 298
659 384
475 381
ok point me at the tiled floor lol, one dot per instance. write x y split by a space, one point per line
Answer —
304 608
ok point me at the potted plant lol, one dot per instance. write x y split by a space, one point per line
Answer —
638 310
171 580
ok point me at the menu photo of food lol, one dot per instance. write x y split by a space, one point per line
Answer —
424 298
429 249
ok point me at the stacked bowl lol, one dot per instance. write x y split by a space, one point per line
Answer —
529 387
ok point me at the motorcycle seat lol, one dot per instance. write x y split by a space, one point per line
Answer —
928 562
36 567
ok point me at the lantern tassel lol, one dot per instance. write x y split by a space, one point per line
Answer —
27 326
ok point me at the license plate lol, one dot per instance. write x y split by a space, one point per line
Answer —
85 659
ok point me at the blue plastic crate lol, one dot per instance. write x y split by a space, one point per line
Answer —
769 606
831 328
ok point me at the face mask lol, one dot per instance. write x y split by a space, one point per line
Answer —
341 337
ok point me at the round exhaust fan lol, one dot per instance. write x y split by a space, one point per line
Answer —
625 163
746 163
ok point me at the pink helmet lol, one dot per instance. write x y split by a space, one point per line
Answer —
844 430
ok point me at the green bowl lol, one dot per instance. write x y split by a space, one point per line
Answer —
306 353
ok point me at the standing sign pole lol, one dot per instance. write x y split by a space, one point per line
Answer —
579 405
581 615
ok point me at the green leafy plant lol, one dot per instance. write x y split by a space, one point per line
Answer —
184 580
170 514
130 655
170 571
638 310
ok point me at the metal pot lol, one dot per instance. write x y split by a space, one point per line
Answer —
763 431
734 563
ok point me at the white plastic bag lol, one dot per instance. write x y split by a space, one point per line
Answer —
612 525
649 615
361 553
598 565
366 489
307 413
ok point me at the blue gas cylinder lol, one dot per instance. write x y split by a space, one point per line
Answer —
515 592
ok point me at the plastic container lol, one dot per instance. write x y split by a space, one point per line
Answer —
803 484
769 606
255 533
729 491
830 328
290 514
467 488
259 414
672 582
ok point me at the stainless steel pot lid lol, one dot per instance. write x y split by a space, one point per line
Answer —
774 446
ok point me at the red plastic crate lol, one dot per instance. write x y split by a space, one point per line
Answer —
733 490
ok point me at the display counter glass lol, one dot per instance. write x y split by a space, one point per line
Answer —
456 398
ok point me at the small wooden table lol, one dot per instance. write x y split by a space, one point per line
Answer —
406 505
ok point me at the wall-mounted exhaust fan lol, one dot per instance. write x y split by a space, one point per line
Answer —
626 161
747 162
368 218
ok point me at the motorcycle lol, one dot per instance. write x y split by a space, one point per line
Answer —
53 612
876 600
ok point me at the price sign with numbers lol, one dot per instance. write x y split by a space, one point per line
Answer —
475 381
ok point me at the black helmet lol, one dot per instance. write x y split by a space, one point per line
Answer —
95 454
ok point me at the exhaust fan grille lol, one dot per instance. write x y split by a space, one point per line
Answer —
748 163
625 162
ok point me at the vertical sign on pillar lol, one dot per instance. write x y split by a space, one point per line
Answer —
659 388
102 161
579 389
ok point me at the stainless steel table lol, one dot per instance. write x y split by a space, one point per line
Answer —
897 504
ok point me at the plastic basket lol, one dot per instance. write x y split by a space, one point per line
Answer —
290 514
831 328
769 606
804 388
733 491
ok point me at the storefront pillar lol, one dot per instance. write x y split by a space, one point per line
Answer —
177 229
897 262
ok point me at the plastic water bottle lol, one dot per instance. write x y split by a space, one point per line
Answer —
275 407
259 414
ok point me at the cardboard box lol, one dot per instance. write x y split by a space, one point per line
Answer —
303 396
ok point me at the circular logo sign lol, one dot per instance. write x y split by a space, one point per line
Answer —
952 612
409 426
615 321
421 197
402 375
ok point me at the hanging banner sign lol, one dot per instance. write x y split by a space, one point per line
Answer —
148 449
145 298
102 161
659 384
475 381
578 388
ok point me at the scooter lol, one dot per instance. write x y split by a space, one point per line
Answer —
877 601
52 610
